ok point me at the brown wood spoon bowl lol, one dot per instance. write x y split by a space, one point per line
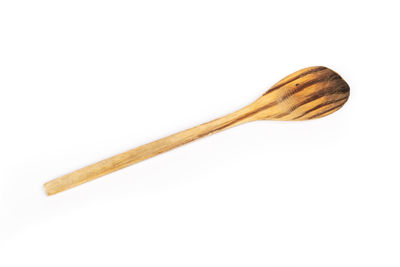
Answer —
307 94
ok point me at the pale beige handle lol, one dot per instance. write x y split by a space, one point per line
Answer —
138 154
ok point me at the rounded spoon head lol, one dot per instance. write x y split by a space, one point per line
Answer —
309 93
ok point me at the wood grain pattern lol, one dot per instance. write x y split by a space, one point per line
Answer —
309 93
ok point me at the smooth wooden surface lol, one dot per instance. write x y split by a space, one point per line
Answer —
144 152
307 94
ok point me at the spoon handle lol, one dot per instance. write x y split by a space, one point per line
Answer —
146 151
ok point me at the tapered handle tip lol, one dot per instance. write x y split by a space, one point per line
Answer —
50 188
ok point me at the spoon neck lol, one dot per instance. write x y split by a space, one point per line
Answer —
228 121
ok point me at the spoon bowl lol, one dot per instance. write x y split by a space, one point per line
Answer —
309 93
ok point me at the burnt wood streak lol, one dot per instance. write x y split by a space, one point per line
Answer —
307 94
291 79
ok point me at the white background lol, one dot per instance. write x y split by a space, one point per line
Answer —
84 80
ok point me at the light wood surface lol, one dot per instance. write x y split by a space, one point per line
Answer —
307 94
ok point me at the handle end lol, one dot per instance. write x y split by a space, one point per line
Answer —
50 188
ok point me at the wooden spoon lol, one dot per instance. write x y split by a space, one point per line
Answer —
307 94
